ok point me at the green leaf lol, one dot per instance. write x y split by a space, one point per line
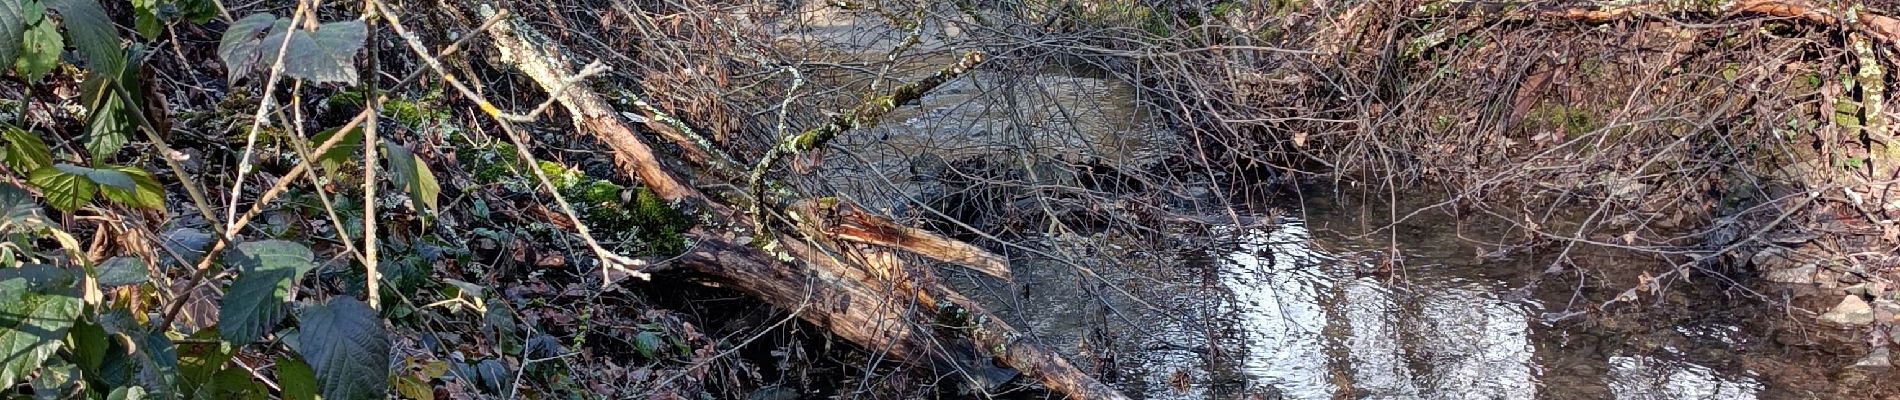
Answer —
145 18
55 380
647 342
92 33
25 151
236 383
122 271
107 177
127 393
37 306
188 243
240 46
39 52
409 387
200 361
158 363
296 378
12 24
89 344
414 176
347 346
255 302
18 208
327 54
147 193
64 191
332 160
109 126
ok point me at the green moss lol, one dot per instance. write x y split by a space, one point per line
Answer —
490 163
410 111
630 220
1573 120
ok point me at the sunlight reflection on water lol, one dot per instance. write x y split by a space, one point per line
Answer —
1308 327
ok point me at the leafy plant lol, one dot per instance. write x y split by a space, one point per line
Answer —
324 54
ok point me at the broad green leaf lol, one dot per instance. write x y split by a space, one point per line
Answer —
414 176
147 193
199 361
18 208
158 363
346 344
90 345
127 393
38 304
92 33
109 126
188 243
495 375
64 191
255 302
647 342
327 54
237 384
25 151
104 177
296 378
12 24
197 11
332 160
39 50
241 43
55 380
122 271
409 387
146 19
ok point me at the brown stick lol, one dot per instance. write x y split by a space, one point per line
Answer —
843 297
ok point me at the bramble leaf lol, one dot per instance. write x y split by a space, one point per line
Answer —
346 344
255 302
64 191
38 304
410 172
40 45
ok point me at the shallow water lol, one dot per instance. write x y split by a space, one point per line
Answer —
1296 311
1302 308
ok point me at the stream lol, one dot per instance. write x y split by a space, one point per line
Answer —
1299 304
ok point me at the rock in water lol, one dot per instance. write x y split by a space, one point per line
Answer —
1851 312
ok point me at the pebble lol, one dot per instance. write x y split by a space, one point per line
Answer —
1851 312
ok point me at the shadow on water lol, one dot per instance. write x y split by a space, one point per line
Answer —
1303 310
1300 308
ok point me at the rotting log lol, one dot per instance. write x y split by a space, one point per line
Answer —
829 276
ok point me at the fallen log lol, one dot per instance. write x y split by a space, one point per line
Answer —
848 278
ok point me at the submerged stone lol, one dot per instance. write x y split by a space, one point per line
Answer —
1852 311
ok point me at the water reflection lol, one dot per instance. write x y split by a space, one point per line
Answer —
1309 325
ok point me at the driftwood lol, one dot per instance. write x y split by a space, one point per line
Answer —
850 273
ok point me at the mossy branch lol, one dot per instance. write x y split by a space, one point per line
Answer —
865 115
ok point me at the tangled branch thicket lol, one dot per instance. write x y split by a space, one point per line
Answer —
789 150
1688 134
